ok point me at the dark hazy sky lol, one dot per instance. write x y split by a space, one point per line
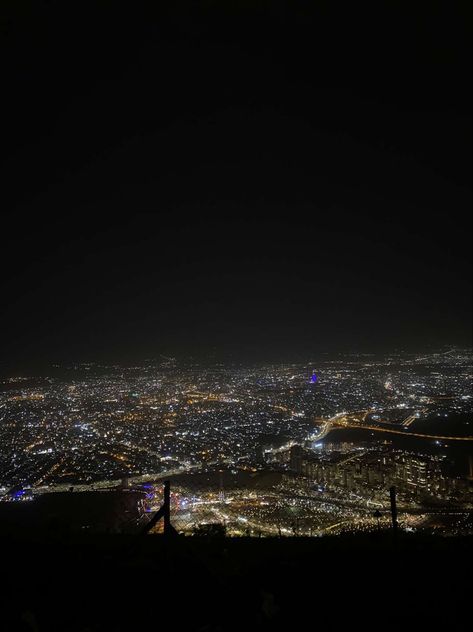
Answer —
265 181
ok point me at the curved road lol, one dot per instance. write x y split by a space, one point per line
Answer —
339 421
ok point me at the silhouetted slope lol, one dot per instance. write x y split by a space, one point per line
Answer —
334 583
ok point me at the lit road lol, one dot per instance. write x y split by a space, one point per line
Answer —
407 434
323 432
346 422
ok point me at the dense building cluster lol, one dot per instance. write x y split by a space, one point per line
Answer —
339 430
375 469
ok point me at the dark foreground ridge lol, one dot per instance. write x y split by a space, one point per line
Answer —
69 582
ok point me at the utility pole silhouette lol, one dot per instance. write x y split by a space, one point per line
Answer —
164 512
221 493
392 495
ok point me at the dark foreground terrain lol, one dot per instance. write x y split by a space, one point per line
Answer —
91 583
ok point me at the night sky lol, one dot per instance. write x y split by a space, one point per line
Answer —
264 181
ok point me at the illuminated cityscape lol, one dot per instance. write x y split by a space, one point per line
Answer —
262 450
236 342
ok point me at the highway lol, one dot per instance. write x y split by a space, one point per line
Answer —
404 434
347 421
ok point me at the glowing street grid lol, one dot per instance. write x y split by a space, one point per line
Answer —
293 449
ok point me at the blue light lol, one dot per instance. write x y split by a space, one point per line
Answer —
313 379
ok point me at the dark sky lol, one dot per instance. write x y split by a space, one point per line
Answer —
266 180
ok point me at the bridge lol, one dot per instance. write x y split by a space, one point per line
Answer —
353 420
